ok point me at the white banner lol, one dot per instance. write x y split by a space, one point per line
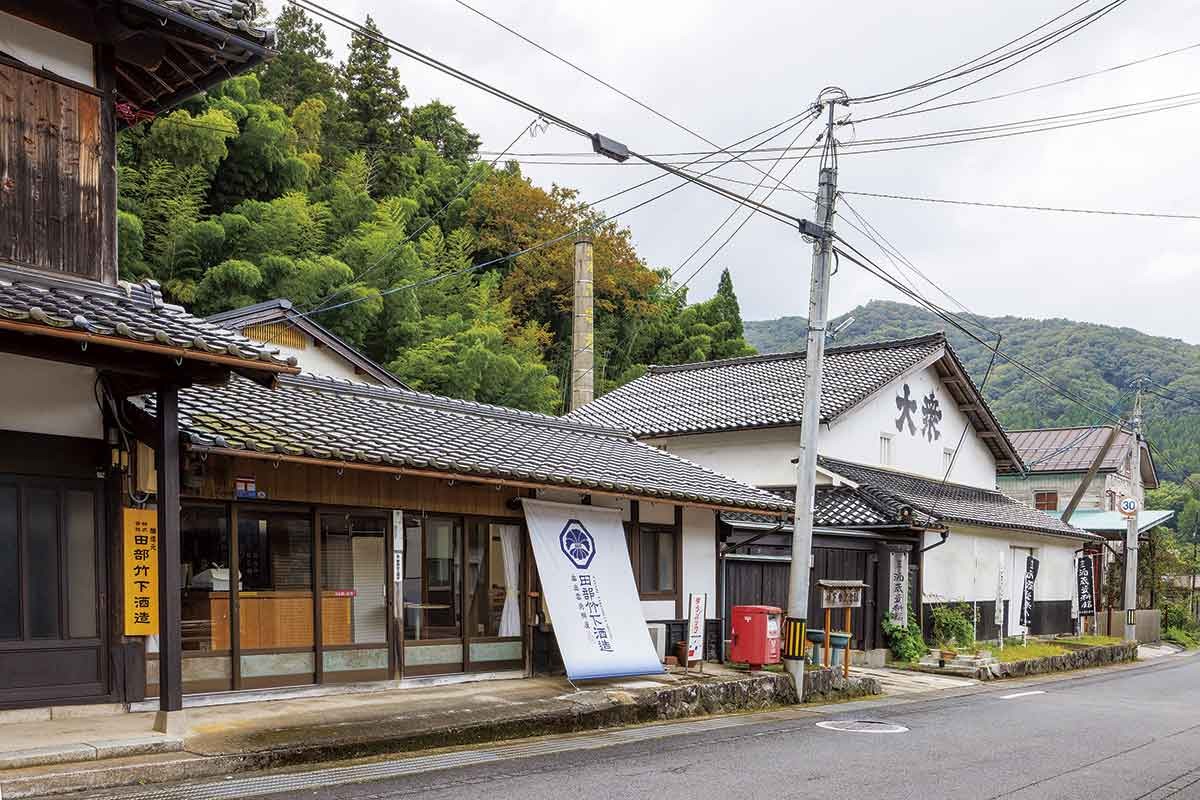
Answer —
587 579
1001 596
898 587
697 608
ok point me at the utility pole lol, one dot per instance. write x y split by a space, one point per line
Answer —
796 624
583 354
1131 526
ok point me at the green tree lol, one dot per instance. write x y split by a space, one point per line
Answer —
301 68
436 123
375 96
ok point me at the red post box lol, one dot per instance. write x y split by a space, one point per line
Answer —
755 635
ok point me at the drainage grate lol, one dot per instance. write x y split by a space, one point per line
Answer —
234 788
861 726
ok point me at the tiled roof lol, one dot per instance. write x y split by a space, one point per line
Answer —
1068 449
836 507
954 502
123 316
752 392
343 421
236 16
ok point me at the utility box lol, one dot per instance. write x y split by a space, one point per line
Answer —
755 635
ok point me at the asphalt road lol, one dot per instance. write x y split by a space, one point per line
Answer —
1112 734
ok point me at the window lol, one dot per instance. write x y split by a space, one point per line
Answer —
947 460
657 563
887 449
1045 501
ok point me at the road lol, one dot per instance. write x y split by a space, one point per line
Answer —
1112 734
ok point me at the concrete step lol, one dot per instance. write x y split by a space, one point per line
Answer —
95 749
48 780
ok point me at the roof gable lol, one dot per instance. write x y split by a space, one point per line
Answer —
281 310
768 390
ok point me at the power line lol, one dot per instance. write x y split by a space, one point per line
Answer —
563 60
1051 40
554 240
416 55
950 318
971 66
1040 86
1022 207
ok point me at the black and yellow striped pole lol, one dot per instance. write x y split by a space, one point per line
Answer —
795 632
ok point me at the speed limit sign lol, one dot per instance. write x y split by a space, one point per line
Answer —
1129 507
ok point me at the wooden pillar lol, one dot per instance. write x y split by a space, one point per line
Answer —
170 644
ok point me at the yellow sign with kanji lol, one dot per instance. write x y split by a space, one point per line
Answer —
141 571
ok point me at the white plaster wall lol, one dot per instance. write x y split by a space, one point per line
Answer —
965 568
761 457
48 397
46 49
323 361
700 556
855 435
656 513
658 609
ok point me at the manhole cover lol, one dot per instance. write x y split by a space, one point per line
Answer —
861 726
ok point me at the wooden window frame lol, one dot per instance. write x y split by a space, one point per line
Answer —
633 538
1038 496
890 438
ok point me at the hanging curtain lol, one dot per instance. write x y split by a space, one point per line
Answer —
510 543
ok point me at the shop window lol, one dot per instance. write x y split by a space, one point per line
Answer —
275 604
353 582
205 605
1045 501
433 578
493 580
80 517
41 512
10 565
659 548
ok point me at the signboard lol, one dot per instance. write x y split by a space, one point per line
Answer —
140 571
1031 571
841 594
398 547
697 609
1129 507
898 587
1001 594
588 585
1085 583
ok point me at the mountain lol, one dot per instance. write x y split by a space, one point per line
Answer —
1094 362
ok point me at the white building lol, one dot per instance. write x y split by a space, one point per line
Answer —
893 414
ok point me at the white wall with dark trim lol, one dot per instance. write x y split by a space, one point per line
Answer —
48 397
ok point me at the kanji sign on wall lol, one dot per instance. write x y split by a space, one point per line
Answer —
140 568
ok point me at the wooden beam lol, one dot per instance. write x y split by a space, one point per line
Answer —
170 616
121 343
1114 431
454 476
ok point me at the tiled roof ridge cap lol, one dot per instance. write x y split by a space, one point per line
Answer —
796 355
412 397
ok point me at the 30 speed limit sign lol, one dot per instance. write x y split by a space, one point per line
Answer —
1129 507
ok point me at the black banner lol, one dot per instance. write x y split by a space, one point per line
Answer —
1087 596
1031 571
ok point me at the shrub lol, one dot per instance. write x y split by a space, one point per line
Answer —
1181 637
953 625
1175 615
904 641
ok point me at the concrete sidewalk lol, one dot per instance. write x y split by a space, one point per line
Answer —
89 753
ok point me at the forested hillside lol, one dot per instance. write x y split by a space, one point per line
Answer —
321 183
1097 362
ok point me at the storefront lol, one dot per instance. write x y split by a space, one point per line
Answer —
333 533
332 590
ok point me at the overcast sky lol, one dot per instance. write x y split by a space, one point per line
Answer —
728 69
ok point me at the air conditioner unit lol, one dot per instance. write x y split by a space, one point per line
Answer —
658 635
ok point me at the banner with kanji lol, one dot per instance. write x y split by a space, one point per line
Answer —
583 563
140 571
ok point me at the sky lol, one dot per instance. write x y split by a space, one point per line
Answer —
729 69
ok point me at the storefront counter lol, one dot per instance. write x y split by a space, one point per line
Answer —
271 619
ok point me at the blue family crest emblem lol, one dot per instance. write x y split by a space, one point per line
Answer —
577 544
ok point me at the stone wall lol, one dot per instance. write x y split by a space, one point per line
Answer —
1079 657
826 685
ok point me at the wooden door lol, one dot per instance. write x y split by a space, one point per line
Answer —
53 634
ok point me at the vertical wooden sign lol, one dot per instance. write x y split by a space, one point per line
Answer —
140 571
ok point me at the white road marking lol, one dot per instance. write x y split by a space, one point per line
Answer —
1019 694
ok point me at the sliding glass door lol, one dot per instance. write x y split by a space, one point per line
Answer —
433 595
354 597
